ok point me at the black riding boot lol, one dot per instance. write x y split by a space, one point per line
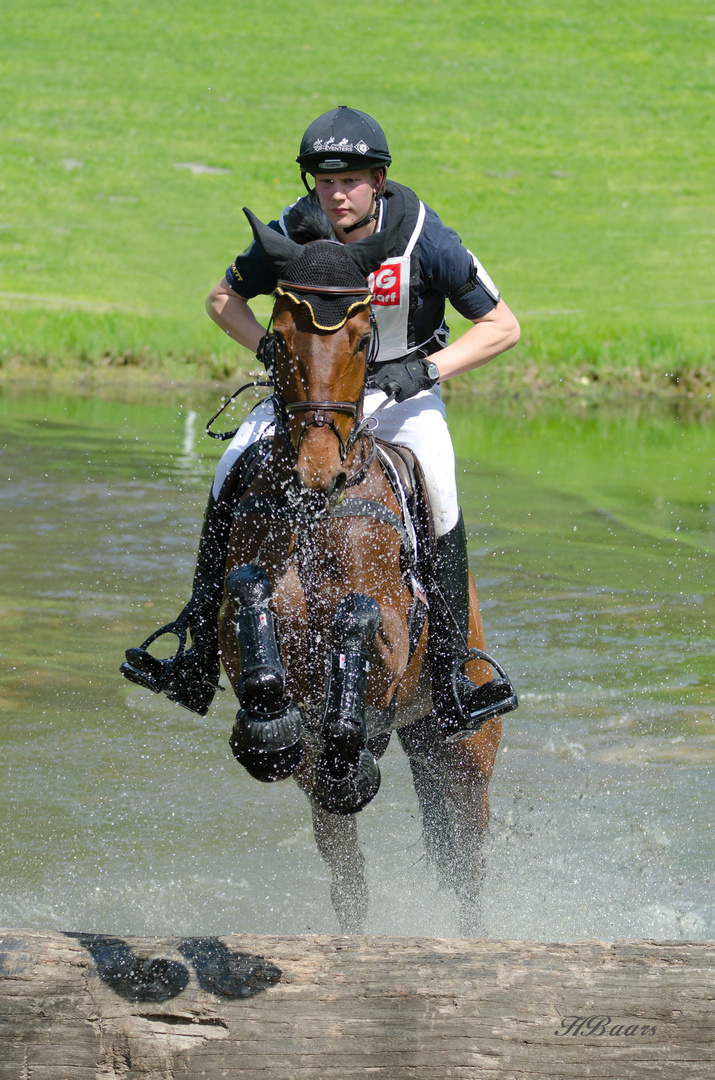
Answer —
461 706
191 676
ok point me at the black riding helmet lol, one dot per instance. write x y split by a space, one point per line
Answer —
343 139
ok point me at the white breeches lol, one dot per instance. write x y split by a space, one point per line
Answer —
419 424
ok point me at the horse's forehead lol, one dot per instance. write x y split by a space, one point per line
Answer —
288 315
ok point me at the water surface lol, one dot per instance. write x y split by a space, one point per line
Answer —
591 539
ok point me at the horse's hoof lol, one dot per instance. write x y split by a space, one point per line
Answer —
269 749
346 794
248 586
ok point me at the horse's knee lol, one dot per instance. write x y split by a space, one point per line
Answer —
355 621
248 586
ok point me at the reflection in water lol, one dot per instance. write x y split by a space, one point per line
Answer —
591 538
189 462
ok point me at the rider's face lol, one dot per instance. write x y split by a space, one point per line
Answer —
347 198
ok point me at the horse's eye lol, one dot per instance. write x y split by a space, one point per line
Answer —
363 343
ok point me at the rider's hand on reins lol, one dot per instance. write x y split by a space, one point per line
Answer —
404 379
266 353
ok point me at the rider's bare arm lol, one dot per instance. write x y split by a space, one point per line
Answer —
231 312
491 335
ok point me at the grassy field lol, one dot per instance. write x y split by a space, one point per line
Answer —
570 145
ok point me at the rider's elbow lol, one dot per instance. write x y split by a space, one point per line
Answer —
514 333
213 303
511 331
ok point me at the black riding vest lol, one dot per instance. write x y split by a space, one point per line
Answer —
396 285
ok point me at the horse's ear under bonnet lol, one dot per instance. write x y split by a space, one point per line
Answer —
338 271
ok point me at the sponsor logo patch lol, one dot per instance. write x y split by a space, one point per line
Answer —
385 285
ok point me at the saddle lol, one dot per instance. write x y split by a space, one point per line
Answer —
407 480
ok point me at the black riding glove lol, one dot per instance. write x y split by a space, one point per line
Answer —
404 379
266 353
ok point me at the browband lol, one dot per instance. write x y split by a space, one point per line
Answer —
328 290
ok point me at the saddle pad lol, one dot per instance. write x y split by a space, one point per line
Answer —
407 479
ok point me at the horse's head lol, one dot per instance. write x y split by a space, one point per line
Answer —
320 375
322 332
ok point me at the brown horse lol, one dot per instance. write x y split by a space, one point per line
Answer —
322 634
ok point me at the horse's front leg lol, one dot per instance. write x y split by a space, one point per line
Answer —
347 776
337 840
266 738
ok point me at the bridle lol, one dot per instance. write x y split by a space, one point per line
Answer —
322 411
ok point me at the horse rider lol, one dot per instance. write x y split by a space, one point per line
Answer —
346 155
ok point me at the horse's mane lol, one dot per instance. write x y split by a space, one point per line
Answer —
305 221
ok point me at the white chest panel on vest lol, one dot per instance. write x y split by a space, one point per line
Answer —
390 286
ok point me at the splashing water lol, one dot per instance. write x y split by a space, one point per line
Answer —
591 541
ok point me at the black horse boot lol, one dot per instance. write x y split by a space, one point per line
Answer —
191 676
461 706
346 775
266 737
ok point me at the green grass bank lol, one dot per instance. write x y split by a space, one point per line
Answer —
569 145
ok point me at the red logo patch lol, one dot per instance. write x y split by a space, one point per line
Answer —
385 285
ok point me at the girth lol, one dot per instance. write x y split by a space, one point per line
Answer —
278 506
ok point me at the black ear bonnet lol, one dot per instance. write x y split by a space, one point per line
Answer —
338 271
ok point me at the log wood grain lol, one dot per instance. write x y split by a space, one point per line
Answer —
90 1007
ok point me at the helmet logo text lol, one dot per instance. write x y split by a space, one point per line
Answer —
342 147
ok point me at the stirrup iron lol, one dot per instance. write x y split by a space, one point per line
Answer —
185 685
499 697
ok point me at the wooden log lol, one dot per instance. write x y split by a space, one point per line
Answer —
92 1007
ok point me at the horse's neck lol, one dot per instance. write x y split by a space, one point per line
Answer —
365 474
